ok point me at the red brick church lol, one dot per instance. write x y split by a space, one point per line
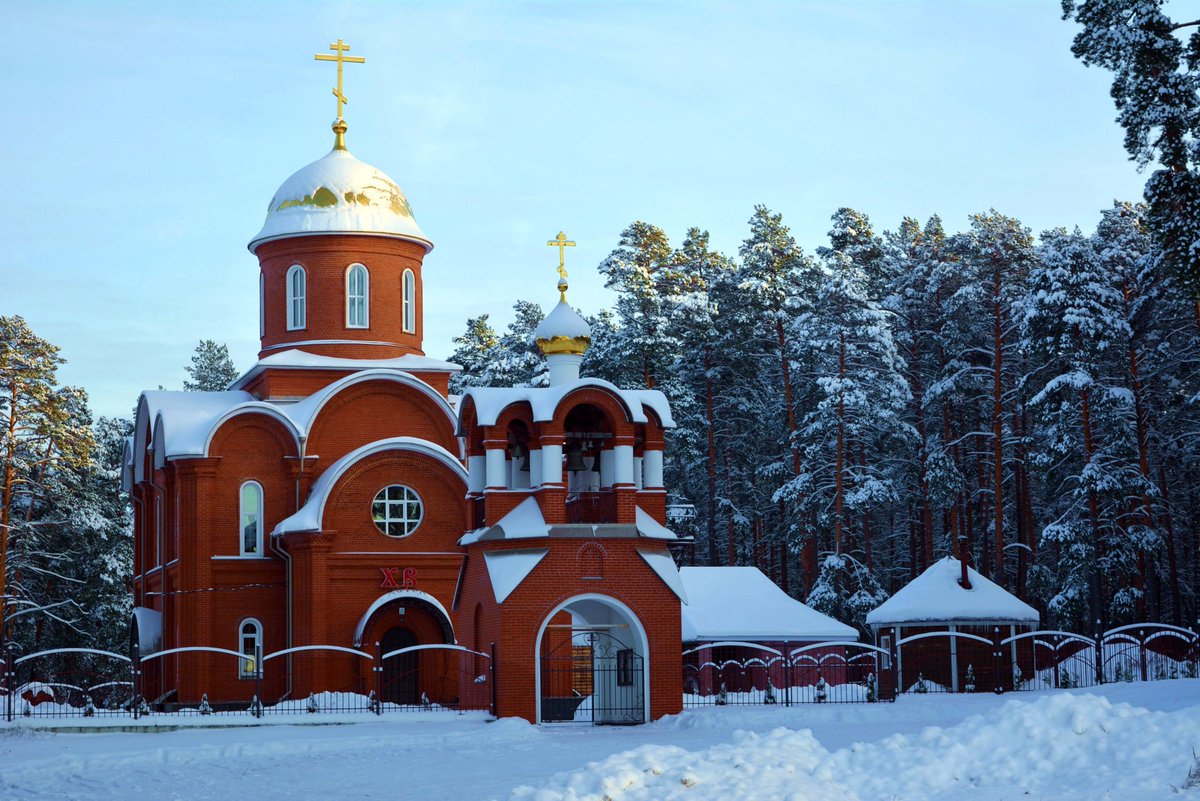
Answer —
337 495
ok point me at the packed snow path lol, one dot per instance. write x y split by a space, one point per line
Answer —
1123 741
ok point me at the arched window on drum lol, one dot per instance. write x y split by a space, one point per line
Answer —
358 290
410 302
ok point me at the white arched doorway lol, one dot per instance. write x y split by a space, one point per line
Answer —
593 663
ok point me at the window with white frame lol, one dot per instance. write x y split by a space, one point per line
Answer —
297 289
250 647
357 296
262 305
251 519
410 302
397 510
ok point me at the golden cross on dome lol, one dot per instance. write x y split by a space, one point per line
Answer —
562 243
340 48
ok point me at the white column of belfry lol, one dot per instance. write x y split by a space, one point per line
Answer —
476 475
496 463
637 472
535 468
623 467
606 467
652 469
551 463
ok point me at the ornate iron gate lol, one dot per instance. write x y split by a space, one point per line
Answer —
592 677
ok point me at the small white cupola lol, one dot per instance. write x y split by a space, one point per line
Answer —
564 336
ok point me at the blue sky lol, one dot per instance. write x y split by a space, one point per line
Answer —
142 142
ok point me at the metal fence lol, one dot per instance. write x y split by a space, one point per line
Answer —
965 660
87 682
994 659
737 673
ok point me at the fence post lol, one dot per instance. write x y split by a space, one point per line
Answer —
258 671
492 679
135 666
787 673
9 680
1142 653
378 679
997 655
1099 653
894 658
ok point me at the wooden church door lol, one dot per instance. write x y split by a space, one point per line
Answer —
401 674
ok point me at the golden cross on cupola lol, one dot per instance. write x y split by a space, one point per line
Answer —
562 243
340 49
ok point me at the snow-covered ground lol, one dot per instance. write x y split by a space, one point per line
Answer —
1122 741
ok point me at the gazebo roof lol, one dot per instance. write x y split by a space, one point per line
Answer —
936 596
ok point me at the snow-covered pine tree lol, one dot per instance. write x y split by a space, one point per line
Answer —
211 369
852 236
473 353
1074 329
515 360
995 256
845 440
641 272
41 432
774 282
1156 89
915 259
697 373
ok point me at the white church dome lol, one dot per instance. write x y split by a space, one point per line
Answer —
339 194
563 330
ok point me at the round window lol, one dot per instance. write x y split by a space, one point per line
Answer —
397 510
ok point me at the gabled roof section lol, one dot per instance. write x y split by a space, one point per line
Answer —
309 517
182 424
507 569
741 603
295 359
936 596
491 401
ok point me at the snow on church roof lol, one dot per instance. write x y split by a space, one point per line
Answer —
491 401
295 359
338 194
309 516
182 423
936 596
741 603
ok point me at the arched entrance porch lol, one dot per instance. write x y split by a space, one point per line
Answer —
400 622
593 663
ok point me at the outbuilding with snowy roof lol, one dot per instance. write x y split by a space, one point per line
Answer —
946 625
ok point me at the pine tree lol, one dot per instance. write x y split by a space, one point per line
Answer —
774 282
211 369
1156 89
697 371
473 353
39 434
914 260
861 394
515 360
1075 330
642 274
995 258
